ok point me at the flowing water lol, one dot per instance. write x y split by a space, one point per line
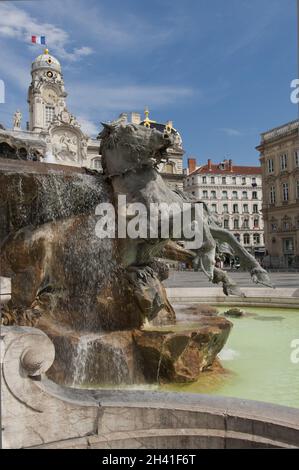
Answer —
257 358
80 360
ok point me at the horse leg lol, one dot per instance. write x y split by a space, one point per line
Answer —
228 285
258 274
177 253
205 255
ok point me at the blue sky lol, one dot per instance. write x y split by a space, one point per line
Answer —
221 70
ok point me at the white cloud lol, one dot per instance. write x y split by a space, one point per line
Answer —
16 69
230 132
102 98
113 29
88 127
19 24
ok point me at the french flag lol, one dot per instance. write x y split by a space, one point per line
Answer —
38 40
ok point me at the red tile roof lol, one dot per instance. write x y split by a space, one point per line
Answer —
236 170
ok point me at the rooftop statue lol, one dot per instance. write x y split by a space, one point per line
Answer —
17 120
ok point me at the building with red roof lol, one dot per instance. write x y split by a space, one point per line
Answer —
234 193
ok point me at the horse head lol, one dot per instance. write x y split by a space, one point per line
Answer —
126 147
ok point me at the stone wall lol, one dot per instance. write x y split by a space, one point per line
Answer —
37 413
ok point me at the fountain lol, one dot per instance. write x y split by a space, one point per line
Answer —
90 295
97 300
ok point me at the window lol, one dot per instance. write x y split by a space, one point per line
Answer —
296 156
245 208
286 225
235 195
253 181
213 194
205 194
254 195
256 223
225 208
243 180
246 239
223 180
297 189
246 224
272 195
244 195
226 224
274 227
285 192
288 245
49 114
213 179
235 209
168 168
270 166
234 180
224 195
214 208
236 223
283 162
204 180
96 163
256 239
255 208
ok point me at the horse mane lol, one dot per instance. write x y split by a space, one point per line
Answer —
111 137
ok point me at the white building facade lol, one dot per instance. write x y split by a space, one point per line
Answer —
234 193
53 134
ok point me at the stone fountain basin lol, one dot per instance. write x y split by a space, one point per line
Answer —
37 413
140 356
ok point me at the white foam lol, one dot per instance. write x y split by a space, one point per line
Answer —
228 354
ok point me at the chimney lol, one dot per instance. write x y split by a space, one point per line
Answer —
230 166
191 165
210 164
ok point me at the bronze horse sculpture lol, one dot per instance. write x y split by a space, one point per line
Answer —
130 157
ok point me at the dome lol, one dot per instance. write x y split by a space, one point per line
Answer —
46 61
164 128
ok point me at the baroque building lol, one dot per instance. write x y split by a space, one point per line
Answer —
234 193
53 134
279 156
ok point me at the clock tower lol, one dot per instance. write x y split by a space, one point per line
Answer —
46 95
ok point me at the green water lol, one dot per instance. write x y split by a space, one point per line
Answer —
256 358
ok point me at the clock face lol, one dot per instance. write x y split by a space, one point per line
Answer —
49 96
50 74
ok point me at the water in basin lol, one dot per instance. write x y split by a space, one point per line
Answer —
256 358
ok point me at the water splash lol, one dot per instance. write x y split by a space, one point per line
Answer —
80 360
228 354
